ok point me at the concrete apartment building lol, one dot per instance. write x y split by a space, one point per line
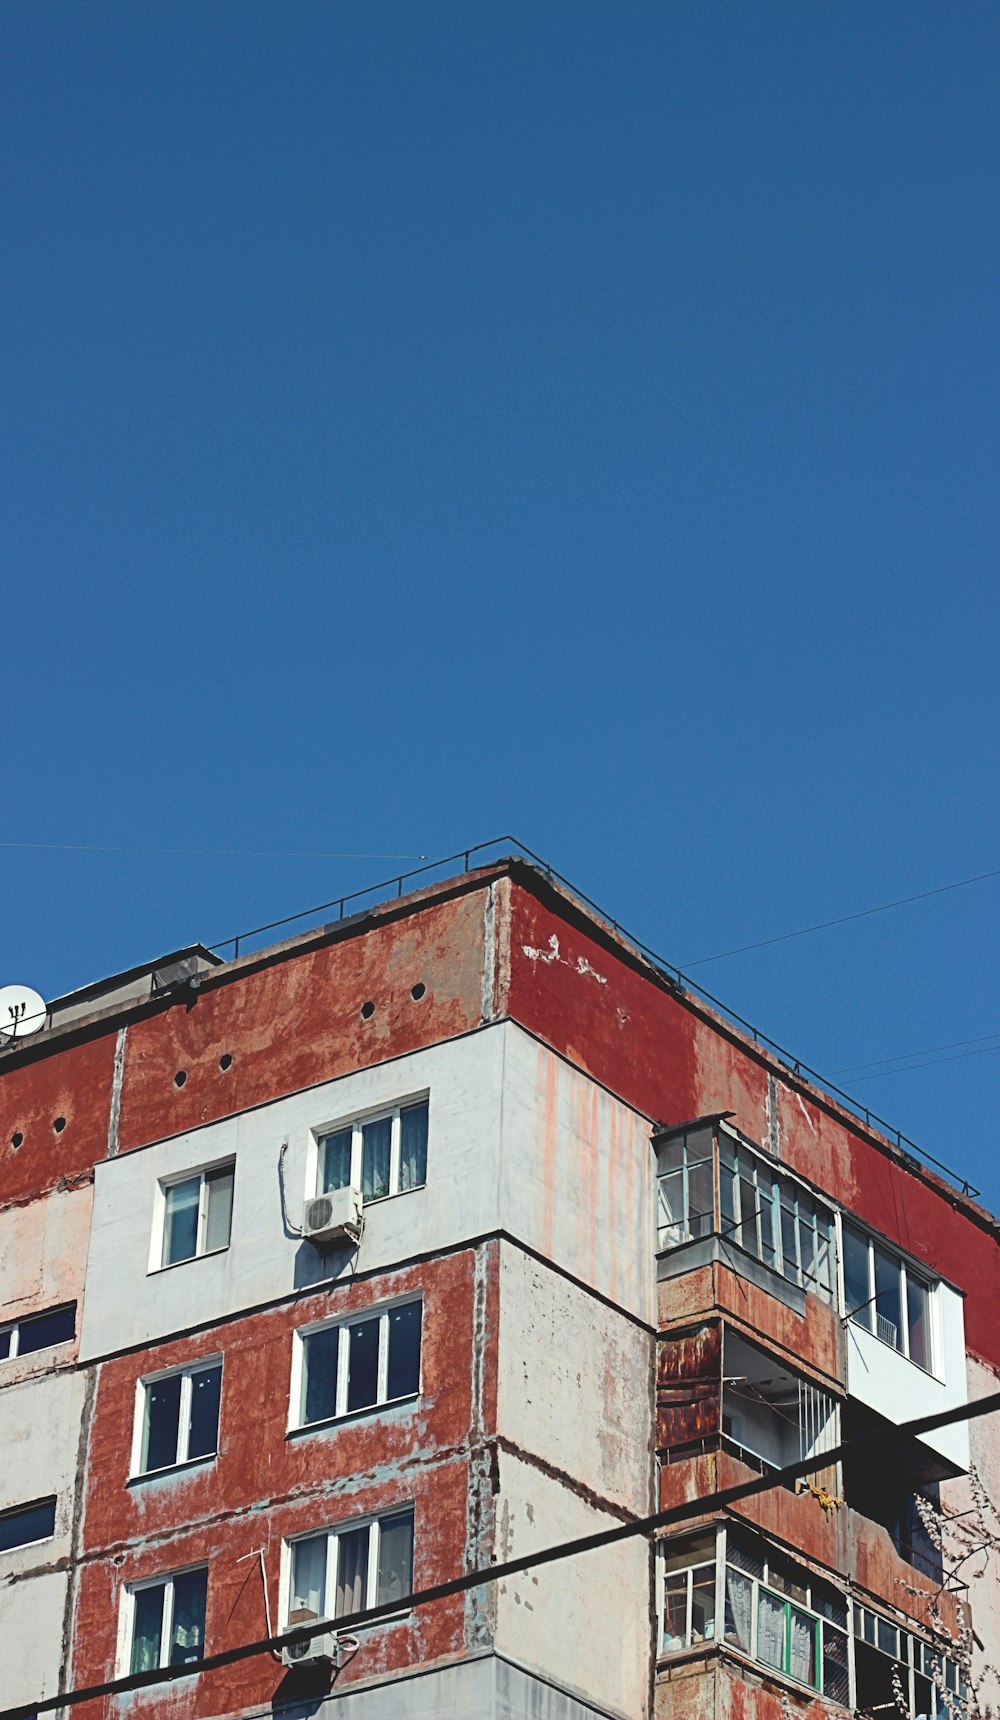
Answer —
614 1254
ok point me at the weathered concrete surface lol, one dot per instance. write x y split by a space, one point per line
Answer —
574 1385
43 1259
72 1082
584 1623
267 1485
577 1175
813 1341
32 1618
298 1022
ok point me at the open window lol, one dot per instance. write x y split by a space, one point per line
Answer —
772 1416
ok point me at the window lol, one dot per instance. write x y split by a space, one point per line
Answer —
688 1593
35 1522
932 1683
360 1363
179 1417
379 1155
785 1618
711 1180
197 1214
38 1331
165 1621
887 1297
341 1572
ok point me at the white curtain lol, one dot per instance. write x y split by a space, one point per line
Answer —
771 1631
739 1608
309 1576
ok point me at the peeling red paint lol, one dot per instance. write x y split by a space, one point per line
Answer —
75 1085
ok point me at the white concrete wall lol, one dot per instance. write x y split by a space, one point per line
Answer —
583 1622
578 1175
31 1623
884 1380
39 1439
517 1140
574 1384
43 1252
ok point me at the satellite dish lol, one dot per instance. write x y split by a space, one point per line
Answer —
22 1011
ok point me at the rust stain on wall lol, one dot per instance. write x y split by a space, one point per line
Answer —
689 1386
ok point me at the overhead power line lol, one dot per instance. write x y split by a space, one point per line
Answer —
932 1063
206 853
905 1056
842 920
668 1519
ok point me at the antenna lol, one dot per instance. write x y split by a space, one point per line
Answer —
22 1011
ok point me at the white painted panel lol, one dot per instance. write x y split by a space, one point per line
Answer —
578 1175
574 1382
31 1622
884 1380
39 1438
583 1622
128 1304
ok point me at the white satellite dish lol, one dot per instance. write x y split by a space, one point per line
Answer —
22 1011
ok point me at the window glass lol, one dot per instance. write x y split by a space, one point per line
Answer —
675 1602
5 1344
162 1412
219 1192
352 1572
147 1624
739 1606
180 1233
187 1638
836 1680
335 1161
413 1146
203 1439
771 1630
320 1368
789 1249
856 1290
801 1646
703 1604
28 1523
701 1198
404 1350
746 1234
888 1309
42 1330
309 1576
362 1376
376 1154
395 1558
765 1201
918 1315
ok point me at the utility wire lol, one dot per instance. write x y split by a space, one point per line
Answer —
673 1515
904 1056
931 1064
842 920
207 853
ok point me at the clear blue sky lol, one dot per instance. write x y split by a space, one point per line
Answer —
423 420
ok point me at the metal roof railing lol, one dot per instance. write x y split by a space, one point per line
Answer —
502 846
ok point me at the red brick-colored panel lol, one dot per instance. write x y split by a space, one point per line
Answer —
589 1004
72 1082
298 1021
259 1464
813 1340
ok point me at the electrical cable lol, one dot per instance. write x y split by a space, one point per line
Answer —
905 1056
720 1500
842 920
205 853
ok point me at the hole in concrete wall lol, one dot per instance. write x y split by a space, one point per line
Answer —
417 991
180 1078
367 1010
16 1139
226 1060
59 1124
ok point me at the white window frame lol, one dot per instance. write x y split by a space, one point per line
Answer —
915 1657
14 1328
663 1576
199 1174
126 1618
356 1122
374 1526
187 1372
906 1271
380 1311
775 1593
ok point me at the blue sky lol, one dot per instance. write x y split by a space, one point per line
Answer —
427 420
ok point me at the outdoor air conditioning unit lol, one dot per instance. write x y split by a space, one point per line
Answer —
333 1217
323 1646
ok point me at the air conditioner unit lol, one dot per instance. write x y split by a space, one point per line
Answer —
333 1217
323 1646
